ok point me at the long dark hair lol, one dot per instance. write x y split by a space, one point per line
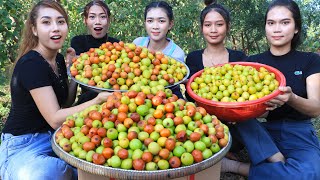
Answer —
159 4
28 39
295 11
212 5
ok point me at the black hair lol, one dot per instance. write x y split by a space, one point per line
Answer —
28 39
159 4
212 5
295 11
98 3
208 2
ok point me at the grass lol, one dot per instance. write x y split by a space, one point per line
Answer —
5 98
316 123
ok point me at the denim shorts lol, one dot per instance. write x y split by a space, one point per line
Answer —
30 157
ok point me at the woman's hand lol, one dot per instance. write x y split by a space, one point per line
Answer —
71 53
102 97
185 81
284 96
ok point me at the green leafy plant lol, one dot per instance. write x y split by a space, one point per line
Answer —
4 105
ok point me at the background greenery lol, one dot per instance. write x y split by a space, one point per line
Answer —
247 30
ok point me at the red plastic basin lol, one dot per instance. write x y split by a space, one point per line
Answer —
237 111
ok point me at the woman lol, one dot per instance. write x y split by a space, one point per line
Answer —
286 146
97 19
158 22
215 25
39 90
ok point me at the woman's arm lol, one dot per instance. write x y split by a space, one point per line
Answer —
72 85
309 106
71 53
72 92
47 103
192 61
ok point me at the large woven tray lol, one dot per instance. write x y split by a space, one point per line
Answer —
133 174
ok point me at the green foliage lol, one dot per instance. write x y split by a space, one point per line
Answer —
4 103
12 16
8 31
311 25
316 124
247 26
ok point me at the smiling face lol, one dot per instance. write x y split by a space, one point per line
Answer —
157 24
97 22
214 28
280 27
51 29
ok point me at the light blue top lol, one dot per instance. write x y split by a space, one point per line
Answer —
171 49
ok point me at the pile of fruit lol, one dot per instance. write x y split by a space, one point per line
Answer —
120 66
133 130
234 83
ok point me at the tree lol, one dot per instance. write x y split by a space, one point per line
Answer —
10 27
311 25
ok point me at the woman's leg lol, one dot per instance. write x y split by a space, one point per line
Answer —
297 141
237 143
258 142
228 165
31 157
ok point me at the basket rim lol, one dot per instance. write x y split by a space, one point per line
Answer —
237 104
98 89
134 174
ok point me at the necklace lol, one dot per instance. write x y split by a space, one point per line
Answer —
54 67
53 64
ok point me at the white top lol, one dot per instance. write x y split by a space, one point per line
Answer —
171 49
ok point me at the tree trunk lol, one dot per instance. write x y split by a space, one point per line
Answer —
258 48
242 41
248 42
234 42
